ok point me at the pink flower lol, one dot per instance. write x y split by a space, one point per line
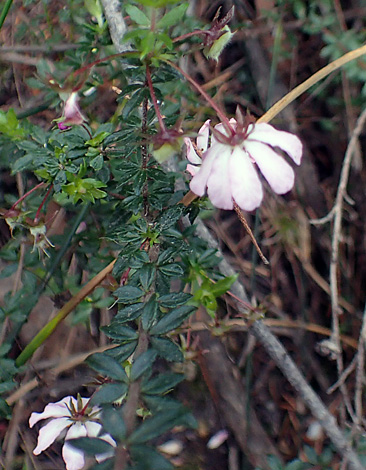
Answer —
69 413
228 171
72 113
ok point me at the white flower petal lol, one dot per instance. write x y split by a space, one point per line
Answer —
203 135
277 172
192 155
101 457
92 428
286 141
198 183
53 410
218 183
50 432
246 187
72 113
74 458
192 169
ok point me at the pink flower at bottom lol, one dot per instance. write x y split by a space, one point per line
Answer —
72 113
67 414
228 171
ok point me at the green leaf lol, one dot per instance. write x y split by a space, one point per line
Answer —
98 139
121 353
223 285
107 366
91 445
142 364
167 349
113 422
23 163
109 393
97 163
137 16
149 315
173 16
118 331
5 410
170 217
147 274
158 424
163 383
175 299
130 313
128 294
172 270
172 320
149 459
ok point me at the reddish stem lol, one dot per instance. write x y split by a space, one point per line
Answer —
154 100
189 35
39 185
99 61
36 218
219 111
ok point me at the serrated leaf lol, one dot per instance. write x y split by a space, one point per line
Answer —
170 217
128 294
172 270
175 299
162 383
172 17
137 15
118 331
130 313
150 312
113 422
107 366
167 349
97 163
142 364
147 274
121 353
172 320
109 393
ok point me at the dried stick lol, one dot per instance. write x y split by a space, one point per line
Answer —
360 371
116 23
337 227
284 362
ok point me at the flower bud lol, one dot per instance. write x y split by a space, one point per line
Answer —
218 45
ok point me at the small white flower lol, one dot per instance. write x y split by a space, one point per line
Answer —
228 171
195 151
73 414
217 439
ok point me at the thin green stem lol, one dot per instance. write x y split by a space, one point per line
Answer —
5 11
46 331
